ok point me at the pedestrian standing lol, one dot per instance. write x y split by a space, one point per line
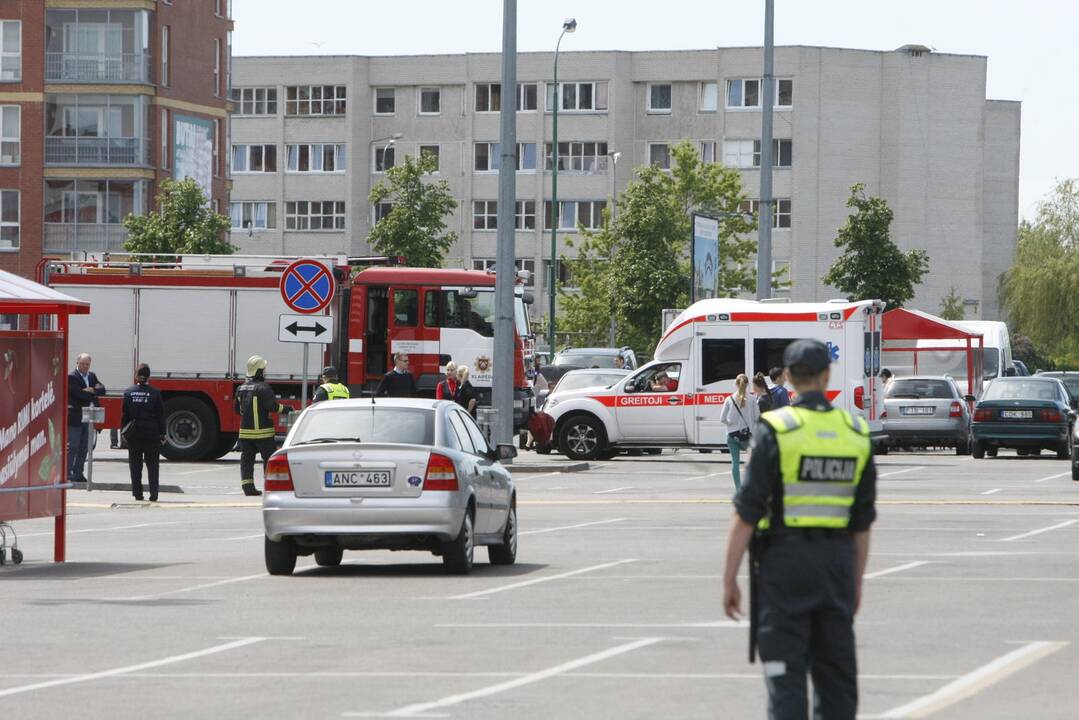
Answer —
255 401
448 387
399 381
886 377
142 421
781 397
804 513
740 415
760 390
330 389
466 395
539 382
83 390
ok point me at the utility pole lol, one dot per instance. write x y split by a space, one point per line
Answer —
505 266
764 217
568 26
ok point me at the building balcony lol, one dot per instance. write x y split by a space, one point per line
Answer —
79 67
84 237
121 152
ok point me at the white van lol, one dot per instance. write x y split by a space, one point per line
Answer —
996 356
701 353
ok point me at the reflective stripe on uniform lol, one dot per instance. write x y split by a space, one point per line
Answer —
825 489
782 420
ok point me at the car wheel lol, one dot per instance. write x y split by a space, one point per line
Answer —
962 447
329 557
992 451
458 553
1064 450
582 438
881 449
1075 463
978 450
506 553
280 557
1021 452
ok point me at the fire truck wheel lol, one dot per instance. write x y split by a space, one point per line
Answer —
190 430
582 438
225 443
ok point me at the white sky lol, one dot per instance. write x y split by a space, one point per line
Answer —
1032 46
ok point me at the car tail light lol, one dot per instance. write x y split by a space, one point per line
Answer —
956 410
278 474
441 473
983 415
859 397
1053 416
883 414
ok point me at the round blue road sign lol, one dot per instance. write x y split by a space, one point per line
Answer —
307 286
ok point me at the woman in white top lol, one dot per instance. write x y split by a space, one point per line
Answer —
740 414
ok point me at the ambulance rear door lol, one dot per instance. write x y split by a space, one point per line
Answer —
721 353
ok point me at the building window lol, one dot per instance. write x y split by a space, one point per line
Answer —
489 97
165 139
781 272
98 130
315 100
571 213
659 154
784 93
315 215
741 153
528 264
10 134
165 56
709 96
11 55
526 97
743 93
430 101
381 210
217 67
254 158
253 215
708 151
524 216
781 211
385 101
255 101
582 157
659 98
485 215
384 158
488 157
216 140
782 153
318 158
9 219
578 96
430 151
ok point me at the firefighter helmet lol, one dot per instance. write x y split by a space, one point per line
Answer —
254 364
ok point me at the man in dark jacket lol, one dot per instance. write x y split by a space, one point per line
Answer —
83 390
780 395
399 381
255 401
143 423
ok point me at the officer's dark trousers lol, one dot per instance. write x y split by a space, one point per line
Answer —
806 625
138 452
248 449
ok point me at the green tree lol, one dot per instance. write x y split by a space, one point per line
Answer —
951 306
1041 291
185 224
415 227
637 265
872 267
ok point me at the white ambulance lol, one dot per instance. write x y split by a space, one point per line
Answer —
675 400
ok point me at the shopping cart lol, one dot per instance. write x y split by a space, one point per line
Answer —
16 553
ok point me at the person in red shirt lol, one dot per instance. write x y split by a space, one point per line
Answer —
663 383
447 389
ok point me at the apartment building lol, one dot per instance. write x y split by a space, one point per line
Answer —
99 102
312 135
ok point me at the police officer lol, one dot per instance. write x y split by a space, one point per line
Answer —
143 422
809 498
255 400
330 389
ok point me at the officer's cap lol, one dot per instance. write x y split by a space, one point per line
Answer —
329 371
812 355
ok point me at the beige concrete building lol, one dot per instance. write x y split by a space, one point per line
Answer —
311 135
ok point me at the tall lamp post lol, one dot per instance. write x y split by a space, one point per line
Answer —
568 26
611 204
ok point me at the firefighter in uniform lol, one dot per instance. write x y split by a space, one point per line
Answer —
804 514
255 401
330 389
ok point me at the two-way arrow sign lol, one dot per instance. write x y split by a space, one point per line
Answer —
305 329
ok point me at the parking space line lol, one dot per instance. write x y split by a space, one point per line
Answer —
900 472
991 492
106 529
191 588
418 709
897 568
612 490
535 581
974 682
1032 533
1053 477
244 537
132 668
570 527
216 468
621 626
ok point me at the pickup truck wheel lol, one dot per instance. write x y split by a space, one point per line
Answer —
190 430
582 438
280 556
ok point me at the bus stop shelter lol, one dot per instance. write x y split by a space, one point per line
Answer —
33 402
903 329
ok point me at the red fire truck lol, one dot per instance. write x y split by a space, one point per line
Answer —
197 320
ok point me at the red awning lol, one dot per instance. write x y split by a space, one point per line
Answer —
21 296
904 324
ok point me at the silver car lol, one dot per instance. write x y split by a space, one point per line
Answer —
388 474
585 377
927 411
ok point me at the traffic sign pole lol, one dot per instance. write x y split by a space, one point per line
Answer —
303 390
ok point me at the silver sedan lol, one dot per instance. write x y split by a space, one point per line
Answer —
388 474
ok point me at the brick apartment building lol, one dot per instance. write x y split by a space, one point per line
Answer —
100 102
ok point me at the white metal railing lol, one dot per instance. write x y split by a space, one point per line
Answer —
96 151
84 237
84 67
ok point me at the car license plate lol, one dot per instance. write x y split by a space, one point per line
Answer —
1017 414
358 478
916 410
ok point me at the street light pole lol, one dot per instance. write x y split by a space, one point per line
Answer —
611 205
568 26
764 237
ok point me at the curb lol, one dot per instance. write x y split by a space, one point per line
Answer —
126 487
551 467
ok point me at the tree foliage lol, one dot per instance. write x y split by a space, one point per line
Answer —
185 224
871 266
1041 291
951 306
639 264
416 225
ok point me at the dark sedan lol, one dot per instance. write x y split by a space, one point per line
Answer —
1028 414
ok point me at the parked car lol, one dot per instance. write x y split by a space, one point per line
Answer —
1021 368
595 357
1070 378
1028 414
584 378
391 474
927 411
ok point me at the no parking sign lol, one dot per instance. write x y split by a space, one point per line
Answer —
307 286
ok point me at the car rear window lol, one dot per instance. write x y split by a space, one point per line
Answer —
920 389
368 424
1002 389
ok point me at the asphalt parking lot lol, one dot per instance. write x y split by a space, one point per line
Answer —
613 610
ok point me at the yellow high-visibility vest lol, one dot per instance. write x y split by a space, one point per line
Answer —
335 391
